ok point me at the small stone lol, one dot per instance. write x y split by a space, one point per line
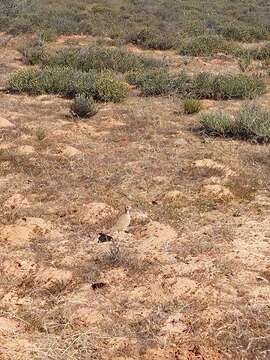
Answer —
180 142
4 123
26 150
71 151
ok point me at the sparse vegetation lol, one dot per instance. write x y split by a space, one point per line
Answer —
168 284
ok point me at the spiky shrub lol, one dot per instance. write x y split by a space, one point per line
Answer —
205 45
227 86
218 123
108 88
191 106
83 106
253 122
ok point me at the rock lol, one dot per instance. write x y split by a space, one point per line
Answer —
70 151
172 195
51 277
183 286
26 150
211 164
93 213
180 142
4 123
21 233
9 326
16 201
218 191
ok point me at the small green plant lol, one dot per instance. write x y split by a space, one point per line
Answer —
245 62
47 35
191 106
83 106
41 133
108 88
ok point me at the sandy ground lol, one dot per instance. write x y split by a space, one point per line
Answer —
191 277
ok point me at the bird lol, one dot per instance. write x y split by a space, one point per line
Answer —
123 222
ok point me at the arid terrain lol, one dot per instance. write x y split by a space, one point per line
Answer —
190 279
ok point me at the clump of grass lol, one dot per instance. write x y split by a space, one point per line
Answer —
206 45
41 133
227 86
245 62
191 106
239 33
108 88
253 122
83 106
217 123
250 122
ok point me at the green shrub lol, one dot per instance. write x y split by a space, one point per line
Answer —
181 84
47 35
191 106
83 106
152 39
239 33
100 59
218 123
250 122
154 83
108 88
52 80
253 122
227 86
206 45
245 62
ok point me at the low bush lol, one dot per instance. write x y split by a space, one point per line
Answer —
83 106
107 88
67 82
152 39
100 59
191 106
250 122
227 86
239 33
206 45
153 83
